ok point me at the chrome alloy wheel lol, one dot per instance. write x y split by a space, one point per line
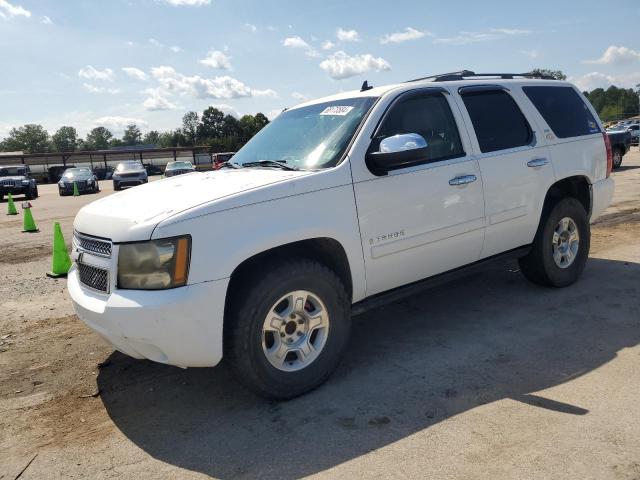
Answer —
566 242
295 331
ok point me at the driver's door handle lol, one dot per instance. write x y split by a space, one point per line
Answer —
462 180
537 162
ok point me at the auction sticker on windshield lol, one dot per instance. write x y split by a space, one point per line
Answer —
336 110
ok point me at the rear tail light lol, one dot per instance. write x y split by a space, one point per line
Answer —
607 144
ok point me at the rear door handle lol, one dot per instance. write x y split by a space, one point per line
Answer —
537 162
462 180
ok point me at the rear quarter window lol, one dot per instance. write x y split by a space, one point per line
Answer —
563 110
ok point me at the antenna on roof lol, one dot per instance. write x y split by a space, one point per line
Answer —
365 86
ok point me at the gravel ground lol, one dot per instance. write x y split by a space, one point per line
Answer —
489 377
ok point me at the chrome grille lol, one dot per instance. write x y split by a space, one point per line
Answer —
92 244
129 175
7 183
93 277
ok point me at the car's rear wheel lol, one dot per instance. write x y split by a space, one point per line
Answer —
116 186
285 331
561 246
617 158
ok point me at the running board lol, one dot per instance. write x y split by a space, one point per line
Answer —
414 288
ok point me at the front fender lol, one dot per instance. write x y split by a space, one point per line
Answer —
223 240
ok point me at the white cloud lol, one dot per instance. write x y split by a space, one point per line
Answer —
91 73
271 114
299 96
224 87
217 59
134 72
616 56
328 45
408 34
188 3
155 43
465 37
117 124
534 53
347 35
225 108
95 89
8 10
297 42
340 65
175 48
46 20
157 100
594 80
251 27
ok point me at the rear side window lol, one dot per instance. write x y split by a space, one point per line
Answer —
564 111
498 122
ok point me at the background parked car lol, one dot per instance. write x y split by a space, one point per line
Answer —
55 172
152 169
129 173
178 168
17 180
219 159
620 143
103 173
84 178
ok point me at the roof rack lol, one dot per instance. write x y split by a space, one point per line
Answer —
462 74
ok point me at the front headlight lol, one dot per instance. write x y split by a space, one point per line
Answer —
61 183
154 265
25 182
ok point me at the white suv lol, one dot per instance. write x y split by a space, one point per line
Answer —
337 205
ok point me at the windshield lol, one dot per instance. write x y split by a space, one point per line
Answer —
179 165
310 137
77 172
131 165
12 171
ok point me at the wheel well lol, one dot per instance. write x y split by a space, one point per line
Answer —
324 250
577 187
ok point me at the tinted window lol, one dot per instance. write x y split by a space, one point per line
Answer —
429 116
564 111
498 122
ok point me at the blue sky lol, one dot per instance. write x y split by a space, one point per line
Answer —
87 63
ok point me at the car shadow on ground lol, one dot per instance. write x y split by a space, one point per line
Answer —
623 168
409 365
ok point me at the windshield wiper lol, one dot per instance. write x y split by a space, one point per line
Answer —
271 163
230 165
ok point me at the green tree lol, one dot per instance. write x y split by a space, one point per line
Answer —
98 139
65 139
30 138
151 137
132 135
172 138
116 142
210 126
190 127
614 103
548 73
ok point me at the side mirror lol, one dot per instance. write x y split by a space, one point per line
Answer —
396 152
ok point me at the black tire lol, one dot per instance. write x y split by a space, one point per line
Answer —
539 265
116 186
617 157
37 194
246 314
30 194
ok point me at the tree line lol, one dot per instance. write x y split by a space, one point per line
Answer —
212 128
615 103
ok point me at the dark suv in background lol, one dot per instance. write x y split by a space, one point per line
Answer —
84 178
129 174
17 180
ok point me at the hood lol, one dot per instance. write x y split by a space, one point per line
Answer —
133 214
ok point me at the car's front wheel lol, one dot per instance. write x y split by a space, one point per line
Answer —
561 246
286 330
116 186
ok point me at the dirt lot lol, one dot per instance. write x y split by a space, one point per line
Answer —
490 377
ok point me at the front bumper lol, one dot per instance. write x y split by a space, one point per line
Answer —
180 326
128 181
602 195
18 189
82 187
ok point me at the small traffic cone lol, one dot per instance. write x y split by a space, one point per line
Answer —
11 208
60 261
76 193
29 225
